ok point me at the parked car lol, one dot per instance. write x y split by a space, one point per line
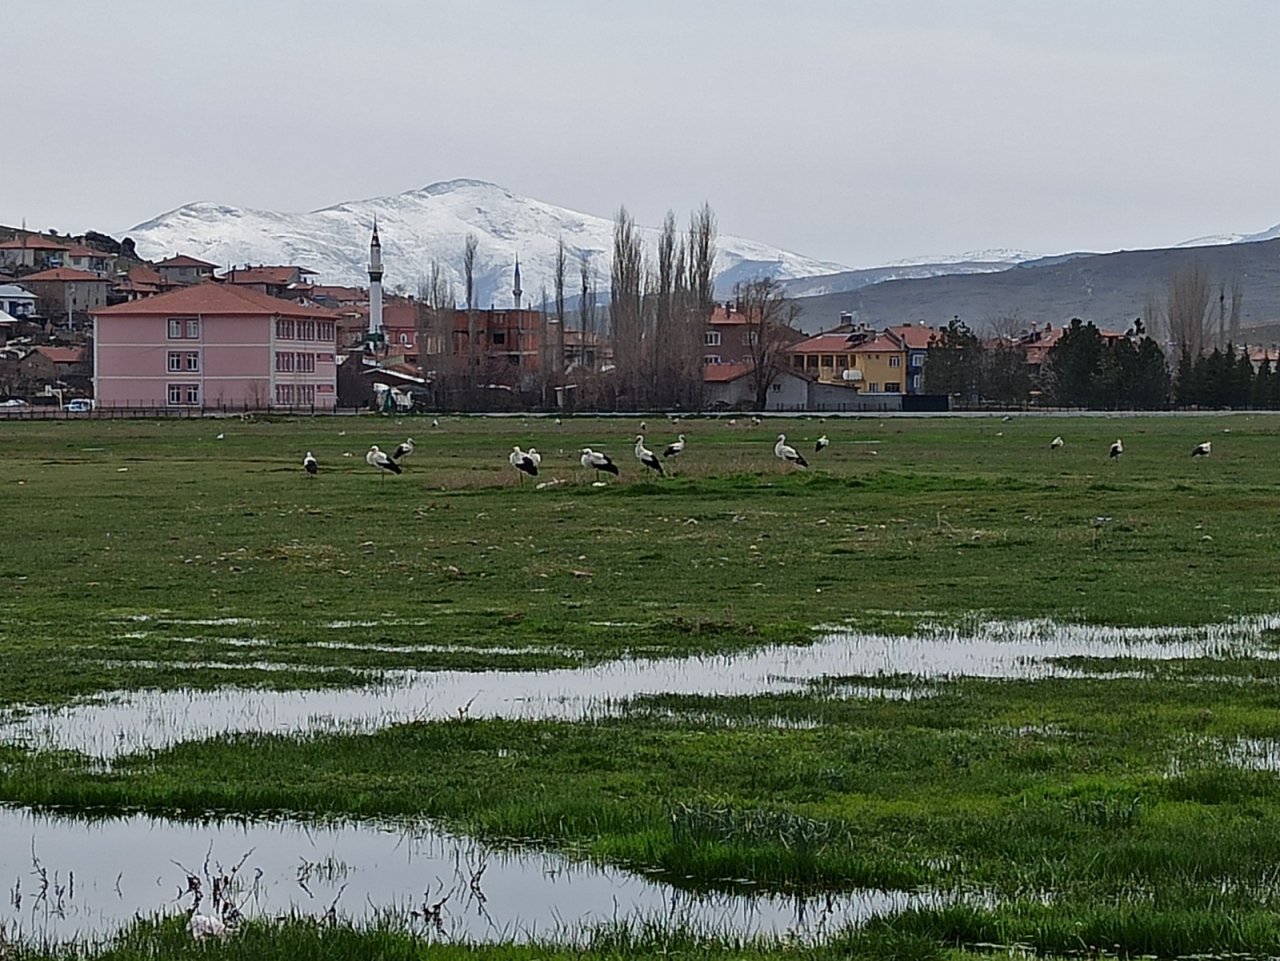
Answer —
13 403
81 405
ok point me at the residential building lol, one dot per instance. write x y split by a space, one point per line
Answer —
31 252
63 292
80 257
727 338
731 387
214 345
274 281
915 339
17 301
855 357
182 270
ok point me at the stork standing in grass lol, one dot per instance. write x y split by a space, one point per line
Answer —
647 457
783 451
403 450
1202 450
310 465
534 456
523 463
1115 450
821 444
1056 443
675 449
597 461
379 459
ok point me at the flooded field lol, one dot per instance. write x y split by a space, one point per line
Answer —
126 722
74 879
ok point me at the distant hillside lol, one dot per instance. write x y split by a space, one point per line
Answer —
1109 289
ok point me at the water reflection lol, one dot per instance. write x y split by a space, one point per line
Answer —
124 722
74 879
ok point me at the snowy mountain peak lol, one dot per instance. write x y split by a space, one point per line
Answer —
432 223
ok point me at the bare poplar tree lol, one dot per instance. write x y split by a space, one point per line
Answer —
770 320
557 335
587 304
700 296
435 330
666 372
1236 309
1188 309
469 248
626 306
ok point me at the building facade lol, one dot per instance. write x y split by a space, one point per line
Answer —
214 345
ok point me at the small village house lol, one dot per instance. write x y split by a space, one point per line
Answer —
63 292
184 271
31 252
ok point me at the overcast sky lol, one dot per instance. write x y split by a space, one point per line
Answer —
859 132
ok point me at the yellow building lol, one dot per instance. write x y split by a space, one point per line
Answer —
862 360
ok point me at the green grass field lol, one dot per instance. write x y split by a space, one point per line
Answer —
1095 813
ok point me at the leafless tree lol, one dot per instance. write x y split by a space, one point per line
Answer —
626 306
556 338
587 303
1188 309
435 331
1236 309
469 248
665 355
770 320
700 296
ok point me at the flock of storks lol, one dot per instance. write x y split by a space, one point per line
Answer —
528 461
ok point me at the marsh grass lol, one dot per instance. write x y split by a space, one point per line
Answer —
1097 813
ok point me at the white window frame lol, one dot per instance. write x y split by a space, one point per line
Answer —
895 360
175 362
191 362
193 328
711 338
175 328
710 360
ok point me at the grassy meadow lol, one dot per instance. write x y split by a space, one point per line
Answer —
1106 812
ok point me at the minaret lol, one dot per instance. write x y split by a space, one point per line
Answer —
515 290
375 287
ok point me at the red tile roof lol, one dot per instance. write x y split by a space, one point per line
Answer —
182 260
66 274
80 250
879 344
915 336
32 242
719 318
276 276
216 299
63 355
723 373
822 344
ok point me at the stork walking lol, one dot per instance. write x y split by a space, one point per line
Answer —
821 444
403 450
1115 450
380 459
597 461
1056 443
647 457
1203 450
675 448
310 465
785 452
523 463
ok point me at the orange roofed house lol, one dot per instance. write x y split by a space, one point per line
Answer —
214 345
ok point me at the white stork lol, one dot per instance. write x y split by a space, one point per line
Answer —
675 449
1202 450
821 444
647 457
784 452
597 461
403 450
523 463
1116 449
1056 443
310 464
534 456
379 459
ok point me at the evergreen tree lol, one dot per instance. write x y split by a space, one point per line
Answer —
1150 387
1006 378
1075 364
1263 386
955 362
1186 384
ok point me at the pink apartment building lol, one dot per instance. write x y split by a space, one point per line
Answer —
214 345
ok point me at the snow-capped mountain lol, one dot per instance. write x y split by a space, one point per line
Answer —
432 223
916 268
1218 240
